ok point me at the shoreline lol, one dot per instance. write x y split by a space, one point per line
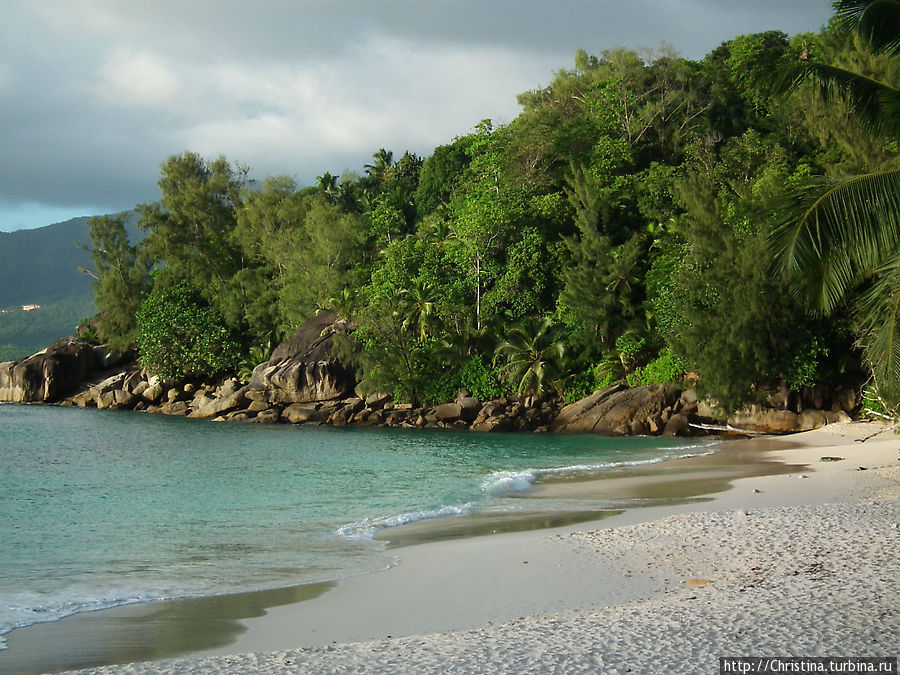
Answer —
484 583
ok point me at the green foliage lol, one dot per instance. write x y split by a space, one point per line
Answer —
666 367
596 377
531 356
473 375
632 200
122 279
180 336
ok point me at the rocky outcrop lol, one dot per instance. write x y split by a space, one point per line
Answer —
48 375
304 369
619 410
770 421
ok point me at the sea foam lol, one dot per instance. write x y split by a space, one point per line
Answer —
501 483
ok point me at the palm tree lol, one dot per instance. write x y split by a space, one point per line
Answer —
840 242
418 307
383 161
328 184
531 356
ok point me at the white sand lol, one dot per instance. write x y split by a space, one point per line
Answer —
802 566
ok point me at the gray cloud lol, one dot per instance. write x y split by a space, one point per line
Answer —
94 95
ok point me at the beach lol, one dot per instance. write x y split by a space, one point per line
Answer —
801 561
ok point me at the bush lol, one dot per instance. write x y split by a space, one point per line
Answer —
598 376
472 375
181 336
666 367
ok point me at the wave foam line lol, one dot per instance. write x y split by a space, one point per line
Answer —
365 529
501 483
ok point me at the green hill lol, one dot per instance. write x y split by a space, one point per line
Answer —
41 267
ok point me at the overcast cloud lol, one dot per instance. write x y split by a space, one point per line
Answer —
94 95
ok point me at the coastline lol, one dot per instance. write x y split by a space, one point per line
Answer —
484 586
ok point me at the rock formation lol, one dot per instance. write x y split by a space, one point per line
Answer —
304 369
48 375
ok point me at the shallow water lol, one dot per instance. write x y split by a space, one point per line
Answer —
99 509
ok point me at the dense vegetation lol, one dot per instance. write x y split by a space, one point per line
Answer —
619 228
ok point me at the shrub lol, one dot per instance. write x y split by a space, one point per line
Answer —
181 336
472 375
666 367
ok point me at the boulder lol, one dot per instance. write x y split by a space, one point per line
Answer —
447 412
221 406
767 420
811 419
469 407
377 401
302 413
677 425
49 375
618 410
303 368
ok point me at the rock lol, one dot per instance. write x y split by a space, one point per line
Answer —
493 424
677 425
844 400
612 410
767 420
48 376
836 416
105 358
140 388
811 419
469 407
377 401
259 406
154 391
303 369
228 387
221 406
302 413
639 427
107 385
269 416
123 399
174 408
447 412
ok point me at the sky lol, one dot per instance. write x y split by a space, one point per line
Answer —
96 94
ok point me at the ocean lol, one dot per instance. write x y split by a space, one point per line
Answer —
101 508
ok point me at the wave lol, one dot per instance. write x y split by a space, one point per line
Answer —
367 528
501 483
28 608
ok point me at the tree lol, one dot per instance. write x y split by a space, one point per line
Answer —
840 243
181 336
383 159
530 356
122 278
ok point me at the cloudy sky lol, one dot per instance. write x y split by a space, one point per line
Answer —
95 94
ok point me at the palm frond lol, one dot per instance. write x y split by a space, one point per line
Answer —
876 103
837 232
877 21
879 313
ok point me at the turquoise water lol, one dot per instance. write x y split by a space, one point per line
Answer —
103 508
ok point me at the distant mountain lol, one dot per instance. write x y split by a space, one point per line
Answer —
41 267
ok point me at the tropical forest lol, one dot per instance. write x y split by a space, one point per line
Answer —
646 218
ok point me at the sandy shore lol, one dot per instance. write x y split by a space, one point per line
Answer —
803 563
